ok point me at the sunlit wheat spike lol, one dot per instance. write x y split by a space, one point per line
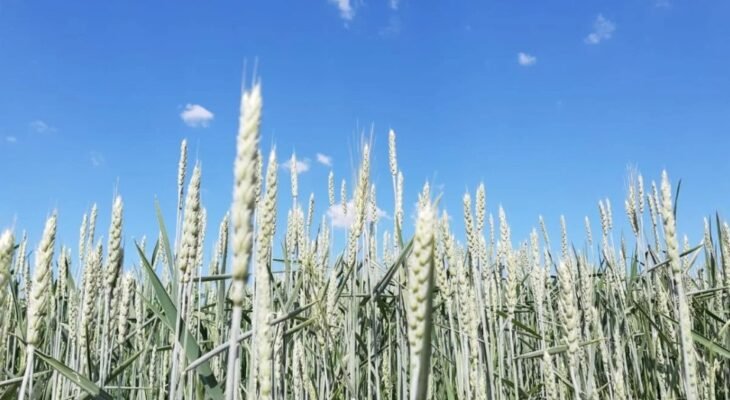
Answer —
7 244
259 174
331 188
38 302
262 334
480 207
420 288
82 238
123 316
294 175
242 210
392 157
687 351
202 224
243 193
181 170
191 227
343 197
569 317
114 248
268 211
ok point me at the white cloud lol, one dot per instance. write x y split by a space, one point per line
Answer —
346 11
96 158
525 59
343 220
39 126
302 166
11 139
339 218
324 159
195 115
602 30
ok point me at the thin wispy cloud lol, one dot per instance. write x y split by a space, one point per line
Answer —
393 28
11 139
97 159
602 30
196 116
343 220
525 59
39 126
347 12
302 166
324 159
394 4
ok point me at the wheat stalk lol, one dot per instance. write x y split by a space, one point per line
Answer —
39 298
242 212
689 377
420 287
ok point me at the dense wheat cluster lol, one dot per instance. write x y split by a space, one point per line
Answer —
443 314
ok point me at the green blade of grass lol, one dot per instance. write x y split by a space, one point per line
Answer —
189 344
79 380
704 341
554 350
166 248
212 278
710 345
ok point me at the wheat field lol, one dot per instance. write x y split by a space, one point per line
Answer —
443 314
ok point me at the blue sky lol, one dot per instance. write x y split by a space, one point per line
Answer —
548 103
